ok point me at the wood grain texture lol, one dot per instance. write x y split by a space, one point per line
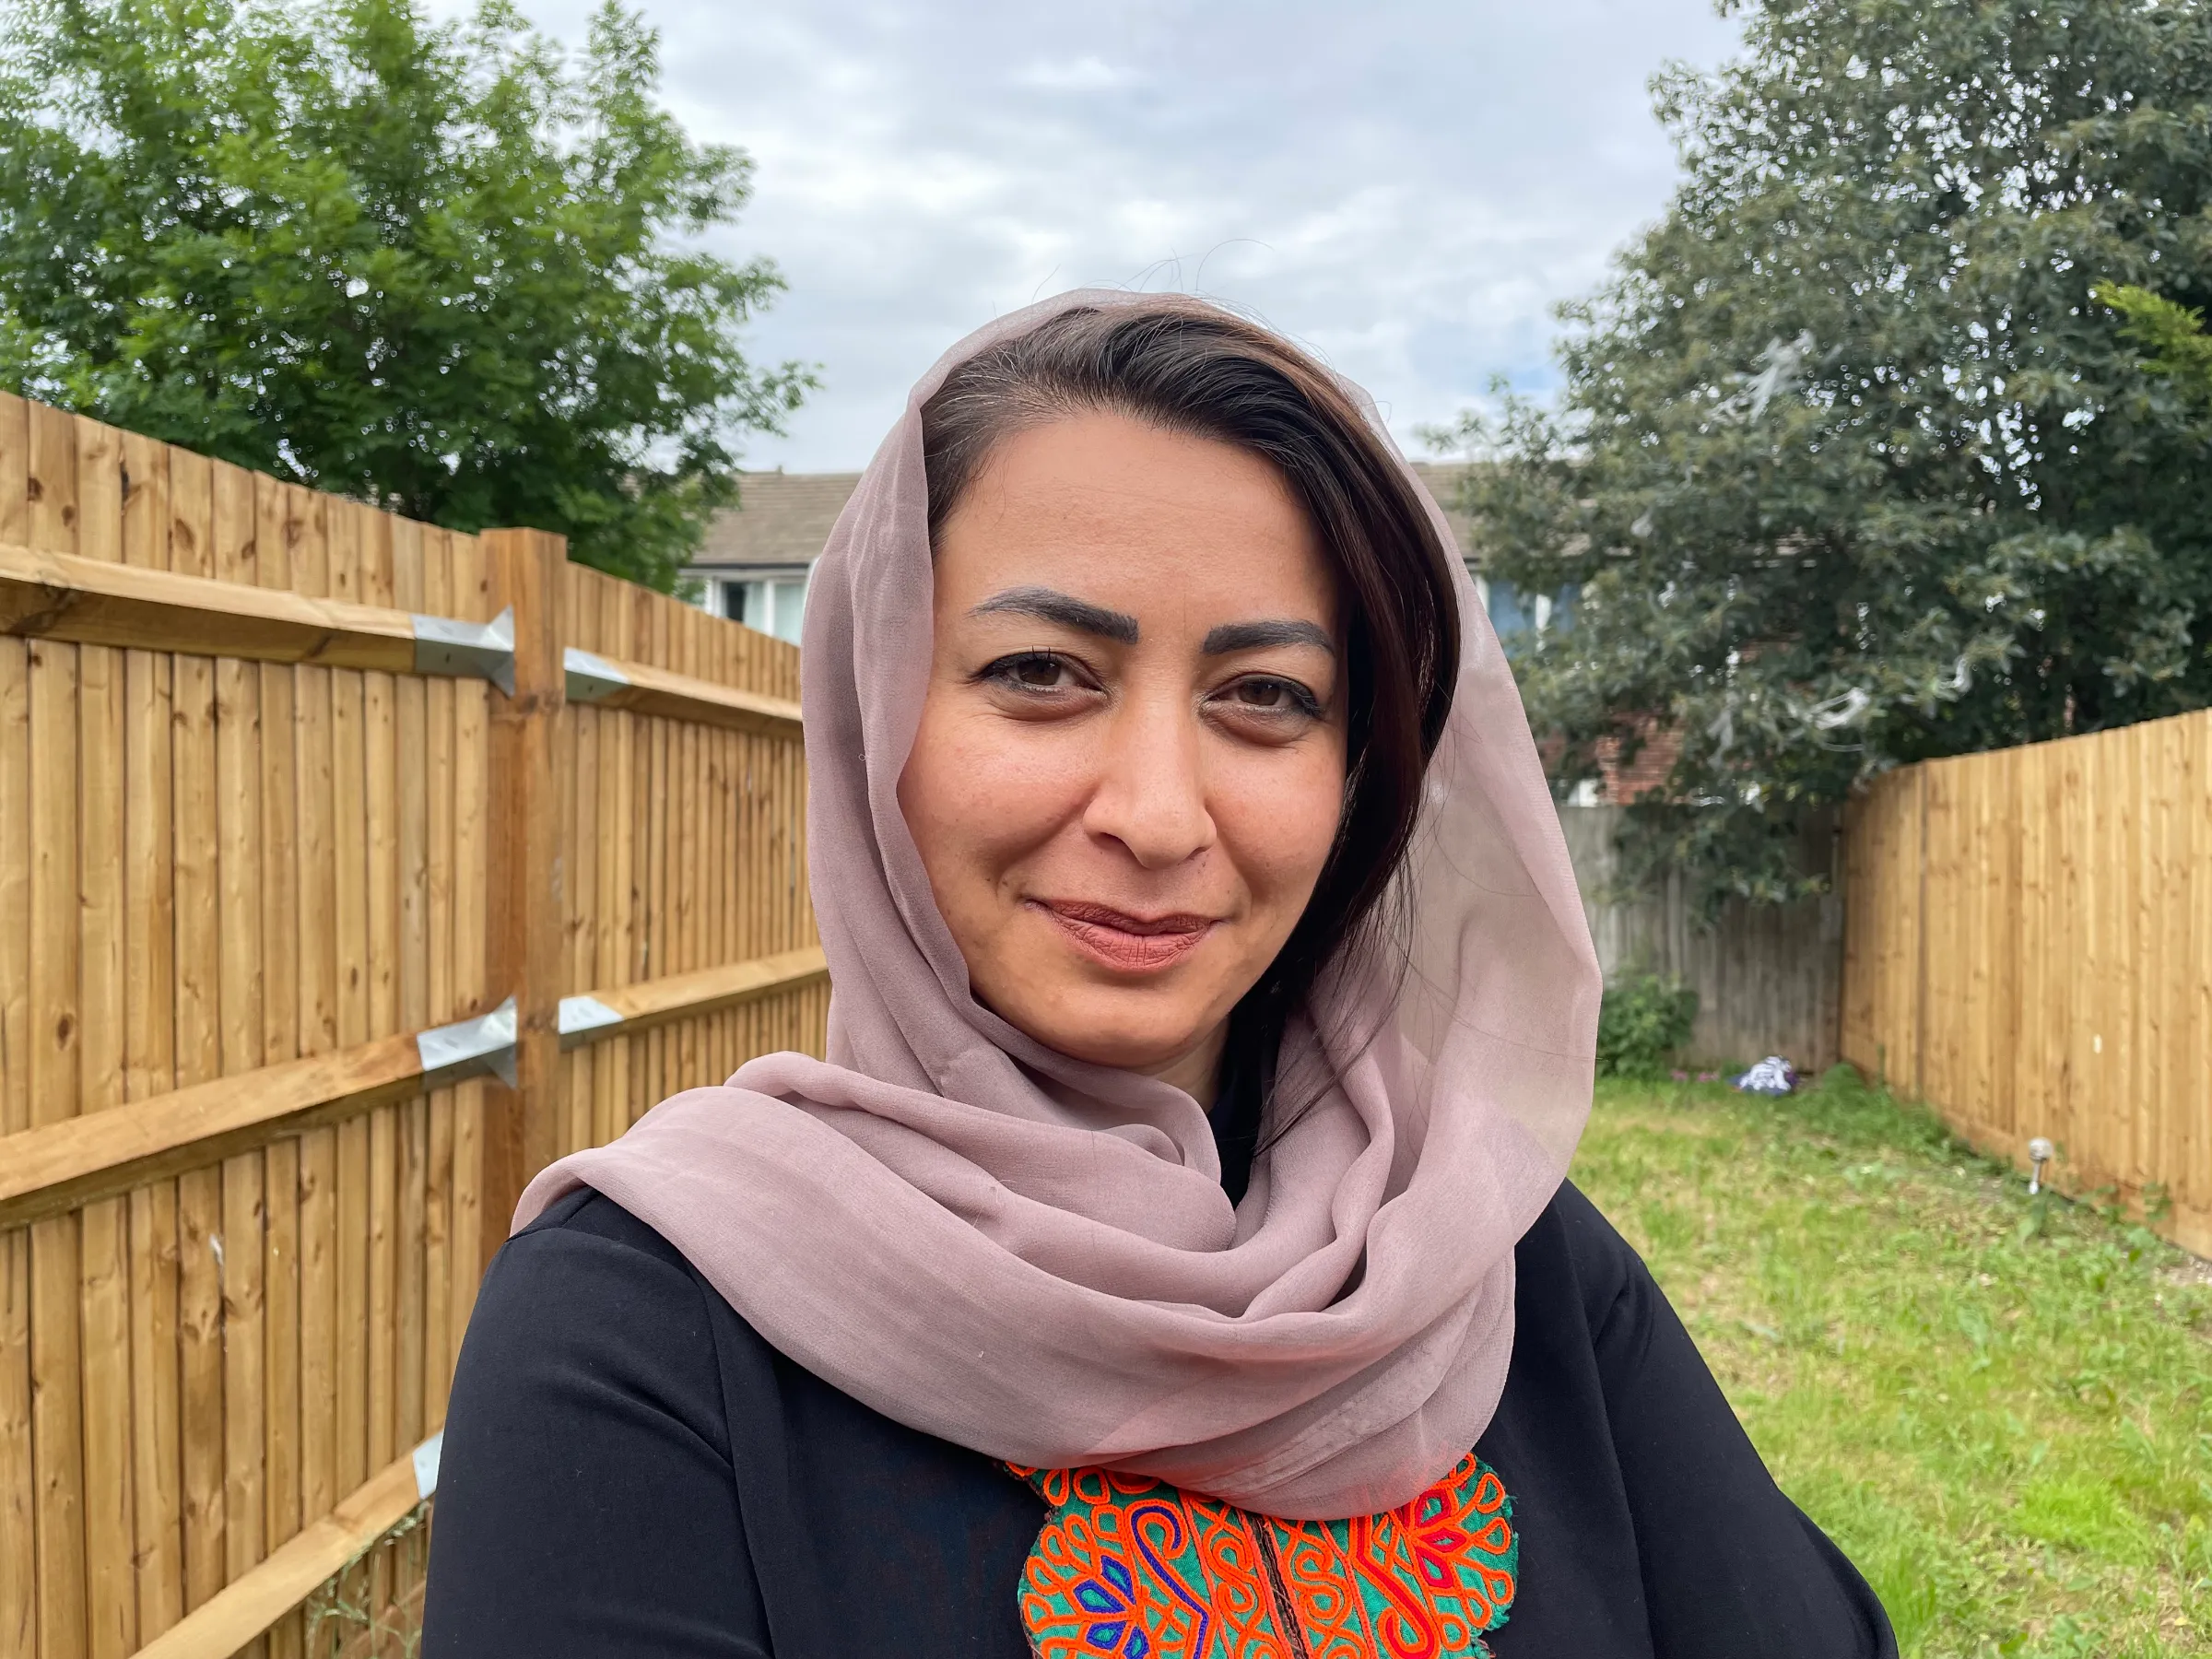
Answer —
691 997
19 1530
232 1619
54 1063
1769 978
60 1166
104 1226
523 922
2029 949
245 852
46 594
148 945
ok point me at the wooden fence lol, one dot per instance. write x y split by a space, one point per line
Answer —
1769 977
2030 950
350 870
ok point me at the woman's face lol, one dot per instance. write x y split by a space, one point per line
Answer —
1131 758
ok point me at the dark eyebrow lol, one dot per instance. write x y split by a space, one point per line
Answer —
1052 605
1253 636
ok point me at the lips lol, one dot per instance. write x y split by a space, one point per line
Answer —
1124 943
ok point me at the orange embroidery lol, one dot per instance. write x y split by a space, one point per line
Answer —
1131 1569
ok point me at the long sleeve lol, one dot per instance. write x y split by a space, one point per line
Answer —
587 1503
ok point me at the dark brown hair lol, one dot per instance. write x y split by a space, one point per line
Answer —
1188 366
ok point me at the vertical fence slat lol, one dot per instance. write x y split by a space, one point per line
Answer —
58 1428
198 1048
111 1592
471 597
150 1062
522 927
380 748
349 792
275 538
315 786
410 721
2197 815
438 897
18 1558
241 877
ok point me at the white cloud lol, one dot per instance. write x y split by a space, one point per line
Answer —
1086 73
1405 185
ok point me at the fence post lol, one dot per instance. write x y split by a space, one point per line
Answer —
524 910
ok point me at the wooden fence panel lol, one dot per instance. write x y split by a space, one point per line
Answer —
1769 978
217 861
2029 949
687 850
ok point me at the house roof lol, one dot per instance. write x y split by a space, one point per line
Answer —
1444 479
782 519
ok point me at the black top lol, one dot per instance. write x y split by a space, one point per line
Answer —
629 1470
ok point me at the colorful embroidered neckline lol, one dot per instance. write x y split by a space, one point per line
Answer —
1131 1569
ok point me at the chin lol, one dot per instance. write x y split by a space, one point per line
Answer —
1101 1034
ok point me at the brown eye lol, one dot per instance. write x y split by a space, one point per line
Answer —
1041 674
1038 673
1265 694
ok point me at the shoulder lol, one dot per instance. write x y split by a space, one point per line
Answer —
585 1256
588 1304
588 1215
1571 1256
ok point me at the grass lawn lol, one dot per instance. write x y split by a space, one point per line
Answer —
2001 1408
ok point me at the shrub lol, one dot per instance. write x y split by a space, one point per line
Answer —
1642 1020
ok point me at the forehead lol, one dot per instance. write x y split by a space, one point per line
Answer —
1153 523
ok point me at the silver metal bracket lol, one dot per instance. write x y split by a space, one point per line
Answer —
590 677
467 650
469 1048
425 1465
580 1015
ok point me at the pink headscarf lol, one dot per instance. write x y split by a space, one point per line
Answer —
1054 1276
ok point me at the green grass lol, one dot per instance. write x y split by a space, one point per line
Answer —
2000 1407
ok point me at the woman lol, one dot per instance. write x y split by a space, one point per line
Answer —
1173 1257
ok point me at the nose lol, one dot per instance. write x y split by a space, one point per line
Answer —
1151 793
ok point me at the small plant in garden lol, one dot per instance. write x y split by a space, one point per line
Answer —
1641 1022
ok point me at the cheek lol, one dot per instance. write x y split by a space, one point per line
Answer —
1277 817
977 798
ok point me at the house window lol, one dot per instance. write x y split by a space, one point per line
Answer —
1513 611
774 605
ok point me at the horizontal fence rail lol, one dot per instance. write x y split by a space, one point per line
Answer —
90 602
63 1165
351 870
246 1608
634 1009
596 680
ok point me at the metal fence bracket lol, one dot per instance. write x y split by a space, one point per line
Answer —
479 649
591 678
425 1465
471 1047
581 1014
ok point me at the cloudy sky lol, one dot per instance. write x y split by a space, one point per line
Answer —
1405 185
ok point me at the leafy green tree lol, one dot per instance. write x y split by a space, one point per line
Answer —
2173 334
451 270
1850 468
